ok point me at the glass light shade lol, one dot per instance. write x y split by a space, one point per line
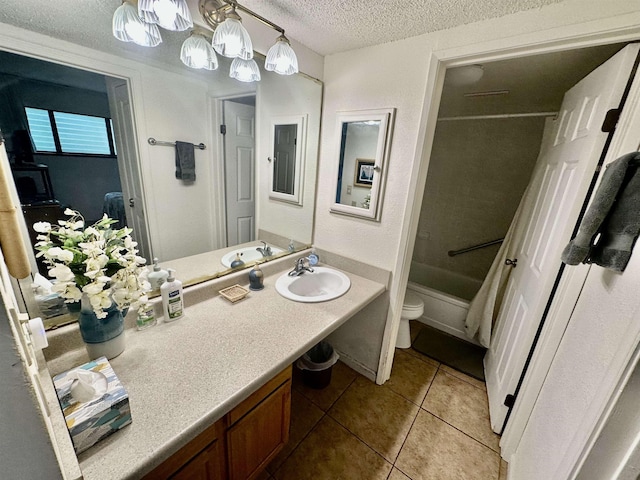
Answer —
128 27
171 15
197 52
245 70
232 40
281 58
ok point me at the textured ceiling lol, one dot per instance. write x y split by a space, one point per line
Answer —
325 26
331 26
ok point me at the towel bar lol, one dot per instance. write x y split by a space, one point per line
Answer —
153 141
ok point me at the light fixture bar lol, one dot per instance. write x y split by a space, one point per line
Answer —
255 15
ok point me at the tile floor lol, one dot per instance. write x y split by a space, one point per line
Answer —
427 422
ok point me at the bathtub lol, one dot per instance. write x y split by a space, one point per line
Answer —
446 296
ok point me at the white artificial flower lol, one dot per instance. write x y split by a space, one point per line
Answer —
65 256
42 227
53 252
94 288
70 212
62 273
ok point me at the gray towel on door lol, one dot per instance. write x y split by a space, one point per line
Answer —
185 162
611 225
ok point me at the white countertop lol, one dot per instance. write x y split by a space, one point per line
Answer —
185 375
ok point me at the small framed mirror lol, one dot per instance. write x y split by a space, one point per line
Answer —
363 141
287 158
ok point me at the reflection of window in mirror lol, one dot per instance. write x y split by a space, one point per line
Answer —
287 158
363 147
284 158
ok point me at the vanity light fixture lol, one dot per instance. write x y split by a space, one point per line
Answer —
245 70
171 15
281 58
197 52
129 27
230 38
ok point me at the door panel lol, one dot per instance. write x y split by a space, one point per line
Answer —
560 183
239 147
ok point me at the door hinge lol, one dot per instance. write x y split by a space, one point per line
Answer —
509 401
610 120
223 129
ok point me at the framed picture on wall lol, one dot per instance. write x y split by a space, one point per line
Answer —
364 172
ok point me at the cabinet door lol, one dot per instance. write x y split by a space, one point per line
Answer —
207 465
258 436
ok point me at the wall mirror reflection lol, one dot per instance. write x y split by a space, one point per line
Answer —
363 139
189 226
287 160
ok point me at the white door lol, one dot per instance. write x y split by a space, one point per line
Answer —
128 166
558 189
239 164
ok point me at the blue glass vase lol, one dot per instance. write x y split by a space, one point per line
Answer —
102 336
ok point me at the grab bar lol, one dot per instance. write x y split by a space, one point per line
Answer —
453 253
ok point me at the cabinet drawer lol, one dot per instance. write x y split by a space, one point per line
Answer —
256 438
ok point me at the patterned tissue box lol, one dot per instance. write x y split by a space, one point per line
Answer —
95 412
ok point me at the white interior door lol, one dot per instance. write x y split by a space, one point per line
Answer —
558 189
239 164
128 166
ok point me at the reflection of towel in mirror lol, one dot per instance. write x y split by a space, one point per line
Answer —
611 225
185 162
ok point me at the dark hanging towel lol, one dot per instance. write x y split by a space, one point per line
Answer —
611 225
185 162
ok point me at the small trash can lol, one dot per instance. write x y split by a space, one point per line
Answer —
317 364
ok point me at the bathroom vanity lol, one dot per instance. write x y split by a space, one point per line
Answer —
209 393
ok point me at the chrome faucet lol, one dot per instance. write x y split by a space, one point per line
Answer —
302 265
265 250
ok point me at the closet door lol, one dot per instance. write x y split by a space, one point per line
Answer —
559 186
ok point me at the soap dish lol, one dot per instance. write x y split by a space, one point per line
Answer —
234 293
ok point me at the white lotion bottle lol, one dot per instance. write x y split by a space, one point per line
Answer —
172 299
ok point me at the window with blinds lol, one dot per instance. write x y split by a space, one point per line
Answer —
70 133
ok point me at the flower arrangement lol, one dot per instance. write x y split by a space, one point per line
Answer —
98 261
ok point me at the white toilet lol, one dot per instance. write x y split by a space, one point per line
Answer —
412 309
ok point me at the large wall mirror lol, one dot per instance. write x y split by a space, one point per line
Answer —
185 224
364 140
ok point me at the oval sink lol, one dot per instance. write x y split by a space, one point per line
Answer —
318 286
247 254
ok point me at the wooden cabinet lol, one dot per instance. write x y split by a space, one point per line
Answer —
242 443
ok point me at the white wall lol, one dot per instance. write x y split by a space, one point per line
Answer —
287 96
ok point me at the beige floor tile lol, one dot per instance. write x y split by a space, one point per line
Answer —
341 378
397 475
462 405
304 416
504 467
463 376
330 452
436 450
411 377
377 415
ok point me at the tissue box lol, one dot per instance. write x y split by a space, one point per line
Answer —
104 406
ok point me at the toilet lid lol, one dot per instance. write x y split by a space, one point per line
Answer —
412 301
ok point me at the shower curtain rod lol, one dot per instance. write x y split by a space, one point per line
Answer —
503 115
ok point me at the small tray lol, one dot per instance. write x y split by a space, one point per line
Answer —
234 293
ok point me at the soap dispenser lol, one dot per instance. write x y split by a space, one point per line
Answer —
237 262
158 276
172 299
256 278
313 257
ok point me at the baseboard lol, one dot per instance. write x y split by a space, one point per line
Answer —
357 366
